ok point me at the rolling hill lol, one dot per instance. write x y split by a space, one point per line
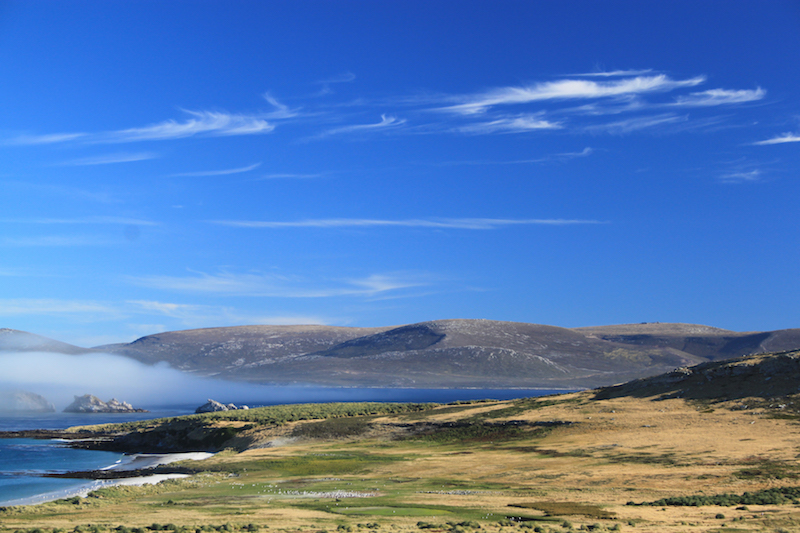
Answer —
441 353
449 353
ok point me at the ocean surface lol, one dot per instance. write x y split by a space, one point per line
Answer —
23 461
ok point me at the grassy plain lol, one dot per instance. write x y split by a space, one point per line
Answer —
554 464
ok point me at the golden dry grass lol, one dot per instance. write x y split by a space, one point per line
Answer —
607 453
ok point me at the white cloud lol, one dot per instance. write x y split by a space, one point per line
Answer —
102 220
51 138
780 139
62 192
747 176
444 223
206 315
289 176
583 153
569 89
638 123
32 306
344 77
111 159
270 285
613 73
202 122
226 172
715 97
386 122
545 159
518 124
281 110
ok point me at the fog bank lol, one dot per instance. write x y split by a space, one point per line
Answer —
61 377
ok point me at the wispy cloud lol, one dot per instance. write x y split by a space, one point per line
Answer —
33 306
637 123
780 139
208 315
510 125
544 159
613 73
226 172
276 286
282 111
714 97
387 121
745 176
568 89
50 138
102 220
201 122
444 223
344 77
279 176
111 159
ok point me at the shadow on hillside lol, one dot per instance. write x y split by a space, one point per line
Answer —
764 376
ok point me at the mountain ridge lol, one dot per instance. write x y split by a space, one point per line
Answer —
448 353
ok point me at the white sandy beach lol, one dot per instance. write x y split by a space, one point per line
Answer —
133 462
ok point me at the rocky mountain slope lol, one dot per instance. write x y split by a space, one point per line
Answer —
441 353
449 353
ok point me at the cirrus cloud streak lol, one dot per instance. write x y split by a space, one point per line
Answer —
444 223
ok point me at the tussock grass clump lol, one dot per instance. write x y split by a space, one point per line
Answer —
465 432
568 509
776 496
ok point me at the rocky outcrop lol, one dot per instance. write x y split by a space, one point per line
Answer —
24 402
213 406
92 404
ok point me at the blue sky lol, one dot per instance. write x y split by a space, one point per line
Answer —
174 165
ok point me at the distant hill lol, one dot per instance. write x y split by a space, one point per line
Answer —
449 353
13 340
441 353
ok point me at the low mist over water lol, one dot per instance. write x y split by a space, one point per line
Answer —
59 378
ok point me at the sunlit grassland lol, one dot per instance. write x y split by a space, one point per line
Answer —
558 463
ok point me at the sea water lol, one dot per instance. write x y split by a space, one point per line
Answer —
23 461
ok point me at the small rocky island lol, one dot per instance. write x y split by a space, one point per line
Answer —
213 406
21 402
92 404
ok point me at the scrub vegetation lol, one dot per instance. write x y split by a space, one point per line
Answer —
587 461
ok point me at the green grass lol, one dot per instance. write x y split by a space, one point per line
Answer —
776 496
272 415
568 509
468 433
390 511
321 465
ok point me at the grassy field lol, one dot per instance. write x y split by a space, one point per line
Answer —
553 464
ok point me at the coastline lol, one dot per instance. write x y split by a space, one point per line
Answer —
141 469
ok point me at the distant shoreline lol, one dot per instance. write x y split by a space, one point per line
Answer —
141 469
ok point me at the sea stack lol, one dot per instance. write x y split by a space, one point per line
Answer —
92 404
24 402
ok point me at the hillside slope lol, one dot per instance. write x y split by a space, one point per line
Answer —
448 353
722 457
14 340
436 354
